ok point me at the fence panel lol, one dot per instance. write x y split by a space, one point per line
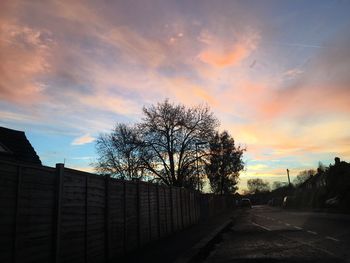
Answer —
131 216
116 213
9 179
96 197
35 222
65 215
144 216
162 212
73 217
153 202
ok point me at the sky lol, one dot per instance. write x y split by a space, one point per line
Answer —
275 73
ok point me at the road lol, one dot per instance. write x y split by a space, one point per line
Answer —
267 234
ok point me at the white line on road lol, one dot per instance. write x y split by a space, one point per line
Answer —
332 238
287 224
299 228
280 222
263 227
312 232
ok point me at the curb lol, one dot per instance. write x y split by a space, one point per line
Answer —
199 250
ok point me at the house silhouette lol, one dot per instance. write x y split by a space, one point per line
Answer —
14 146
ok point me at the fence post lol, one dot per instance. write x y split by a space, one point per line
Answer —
149 213
124 219
59 190
18 198
138 207
158 211
86 217
107 219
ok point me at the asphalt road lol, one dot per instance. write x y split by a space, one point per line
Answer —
266 234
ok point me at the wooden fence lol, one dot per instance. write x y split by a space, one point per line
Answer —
64 215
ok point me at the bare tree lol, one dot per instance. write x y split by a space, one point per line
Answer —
170 133
120 153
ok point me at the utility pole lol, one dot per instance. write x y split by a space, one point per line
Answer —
288 177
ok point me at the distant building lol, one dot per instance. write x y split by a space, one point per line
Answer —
14 146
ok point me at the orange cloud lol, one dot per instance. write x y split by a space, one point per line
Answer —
222 59
221 55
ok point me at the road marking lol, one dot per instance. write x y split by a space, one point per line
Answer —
312 232
287 224
332 238
280 222
273 219
263 227
312 246
299 228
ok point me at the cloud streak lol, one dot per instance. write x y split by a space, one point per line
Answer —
83 140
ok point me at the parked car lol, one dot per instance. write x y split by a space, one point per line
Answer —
288 201
245 203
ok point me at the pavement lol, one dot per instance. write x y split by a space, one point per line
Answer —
267 234
188 245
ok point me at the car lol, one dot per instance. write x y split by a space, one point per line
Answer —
245 203
288 202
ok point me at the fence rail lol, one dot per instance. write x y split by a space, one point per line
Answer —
65 215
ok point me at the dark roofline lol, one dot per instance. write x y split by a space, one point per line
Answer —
18 146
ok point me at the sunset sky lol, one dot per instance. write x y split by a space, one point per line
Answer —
276 74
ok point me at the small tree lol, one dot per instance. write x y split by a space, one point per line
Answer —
224 163
257 185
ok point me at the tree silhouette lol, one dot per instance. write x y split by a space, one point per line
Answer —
224 163
257 185
303 176
170 133
120 153
162 145
278 184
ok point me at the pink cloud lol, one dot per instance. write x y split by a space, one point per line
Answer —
221 55
23 52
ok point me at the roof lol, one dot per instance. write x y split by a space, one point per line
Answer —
14 146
